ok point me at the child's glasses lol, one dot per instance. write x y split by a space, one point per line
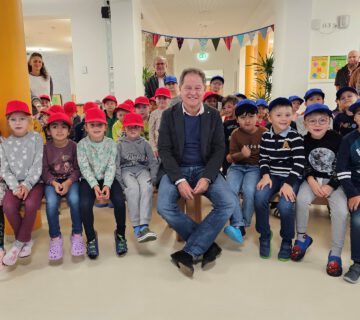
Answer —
321 121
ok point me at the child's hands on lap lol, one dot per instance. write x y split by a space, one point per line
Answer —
246 152
65 186
353 203
287 192
98 192
105 192
265 180
315 187
25 192
57 186
327 190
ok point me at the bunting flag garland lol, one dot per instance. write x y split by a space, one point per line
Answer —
215 42
228 41
155 37
240 38
180 42
263 32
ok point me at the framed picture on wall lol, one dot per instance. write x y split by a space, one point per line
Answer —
56 99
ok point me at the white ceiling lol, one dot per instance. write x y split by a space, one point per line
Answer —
192 18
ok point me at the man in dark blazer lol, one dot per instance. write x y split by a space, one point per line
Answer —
191 147
157 79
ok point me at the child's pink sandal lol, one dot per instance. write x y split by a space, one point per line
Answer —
56 249
11 256
77 245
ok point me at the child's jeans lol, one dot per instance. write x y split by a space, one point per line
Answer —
22 226
355 235
338 206
52 209
87 196
139 192
2 226
286 209
243 178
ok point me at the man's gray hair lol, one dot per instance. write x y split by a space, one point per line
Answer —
193 71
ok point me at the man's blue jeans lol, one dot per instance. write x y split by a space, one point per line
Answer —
286 210
198 237
243 178
355 235
52 209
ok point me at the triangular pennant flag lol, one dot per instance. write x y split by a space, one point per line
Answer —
156 38
228 41
263 32
203 43
180 42
215 42
273 28
190 43
240 38
251 36
168 41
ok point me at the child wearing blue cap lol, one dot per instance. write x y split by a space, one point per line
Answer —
348 168
263 112
321 148
344 120
172 84
244 173
281 163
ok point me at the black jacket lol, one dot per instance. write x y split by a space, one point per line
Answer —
172 138
151 85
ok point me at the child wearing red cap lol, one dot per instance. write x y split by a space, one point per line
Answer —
121 110
110 103
96 158
61 174
163 99
136 171
142 107
70 109
21 167
2 222
80 132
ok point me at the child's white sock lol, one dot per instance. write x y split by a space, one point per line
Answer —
301 237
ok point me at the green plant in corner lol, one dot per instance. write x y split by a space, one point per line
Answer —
146 74
263 70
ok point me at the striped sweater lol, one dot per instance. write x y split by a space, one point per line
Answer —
282 155
348 164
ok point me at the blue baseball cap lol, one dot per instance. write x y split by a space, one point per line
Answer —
293 98
354 106
217 78
170 79
319 107
345 89
246 103
262 103
313 91
281 101
240 95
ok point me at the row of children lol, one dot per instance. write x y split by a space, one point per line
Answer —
322 164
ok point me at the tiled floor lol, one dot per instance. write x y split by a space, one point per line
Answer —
145 285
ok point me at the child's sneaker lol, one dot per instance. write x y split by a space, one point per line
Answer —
146 235
353 274
265 247
300 247
56 249
12 255
334 266
77 245
285 251
26 249
234 234
92 248
120 244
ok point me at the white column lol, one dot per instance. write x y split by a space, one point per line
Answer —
89 52
291 47
127 48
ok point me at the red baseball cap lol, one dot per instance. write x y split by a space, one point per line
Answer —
152 99
124 106
109 98
162 92
17 106
55 109
59 116
70 108
133 119
95 115
45 96
208 94
142 100
129 101
90 105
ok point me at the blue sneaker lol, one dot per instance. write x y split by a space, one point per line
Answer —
234 234
101 205
265 247
92 248
300 247
120 244
285 251
334 266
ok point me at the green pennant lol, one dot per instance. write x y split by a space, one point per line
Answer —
215 42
